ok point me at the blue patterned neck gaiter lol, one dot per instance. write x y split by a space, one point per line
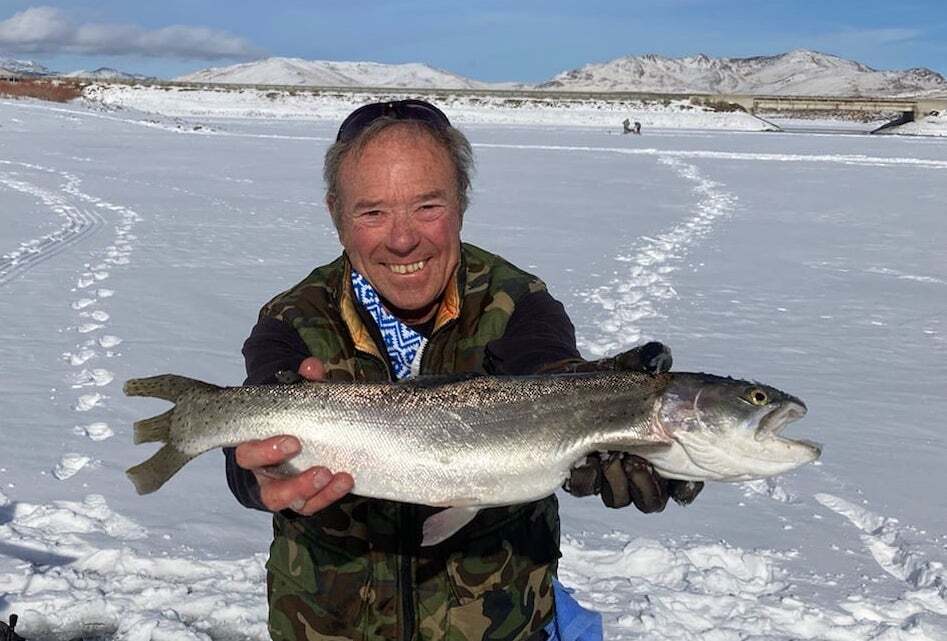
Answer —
404 345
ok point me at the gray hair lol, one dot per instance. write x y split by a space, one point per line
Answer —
452 140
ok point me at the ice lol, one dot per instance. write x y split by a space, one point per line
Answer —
815 263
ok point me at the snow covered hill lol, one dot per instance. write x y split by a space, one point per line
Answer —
798 72
15 67
329 73
106 73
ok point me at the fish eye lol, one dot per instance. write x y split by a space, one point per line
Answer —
756 396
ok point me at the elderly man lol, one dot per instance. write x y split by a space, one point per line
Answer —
406 298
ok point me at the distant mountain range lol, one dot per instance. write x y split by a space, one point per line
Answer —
326 73
798 72
15 68
12 67
107 73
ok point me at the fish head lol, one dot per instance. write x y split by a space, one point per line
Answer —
729 430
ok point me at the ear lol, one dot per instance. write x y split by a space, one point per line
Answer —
331 203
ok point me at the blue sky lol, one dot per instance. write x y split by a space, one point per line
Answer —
525 41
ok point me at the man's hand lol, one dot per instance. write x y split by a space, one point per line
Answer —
652 357
621 478
305 493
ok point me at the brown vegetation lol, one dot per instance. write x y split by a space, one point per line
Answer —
54 90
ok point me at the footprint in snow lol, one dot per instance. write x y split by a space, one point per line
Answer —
95 431
85 378
70 465
88 401
80 357
97 315
109 341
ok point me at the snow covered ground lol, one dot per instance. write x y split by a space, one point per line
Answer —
287 104
137 244
934 124
524 111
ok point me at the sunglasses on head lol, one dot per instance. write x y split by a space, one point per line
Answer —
410 109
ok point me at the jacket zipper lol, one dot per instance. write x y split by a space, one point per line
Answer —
407 579
407 519
424 351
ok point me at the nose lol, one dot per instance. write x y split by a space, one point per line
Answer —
403 236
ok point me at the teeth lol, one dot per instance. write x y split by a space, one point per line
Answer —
407 269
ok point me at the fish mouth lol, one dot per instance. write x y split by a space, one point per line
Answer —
776 421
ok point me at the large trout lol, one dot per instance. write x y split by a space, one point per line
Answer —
480 441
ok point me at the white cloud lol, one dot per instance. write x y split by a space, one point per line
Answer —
49 30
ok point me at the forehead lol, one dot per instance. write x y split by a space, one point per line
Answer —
401 140
400 163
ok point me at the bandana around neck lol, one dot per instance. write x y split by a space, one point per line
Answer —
404 345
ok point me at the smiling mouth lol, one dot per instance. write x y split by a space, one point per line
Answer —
410 268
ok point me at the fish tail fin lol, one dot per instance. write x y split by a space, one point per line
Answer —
156 429
155 472
168 387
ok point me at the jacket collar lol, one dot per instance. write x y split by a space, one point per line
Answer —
447 311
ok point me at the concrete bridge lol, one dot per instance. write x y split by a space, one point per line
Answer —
911 108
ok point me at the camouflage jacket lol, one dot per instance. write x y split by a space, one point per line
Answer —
355 570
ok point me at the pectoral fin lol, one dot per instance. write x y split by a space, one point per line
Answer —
446 523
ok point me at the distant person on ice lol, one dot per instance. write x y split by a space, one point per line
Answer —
627 127
407 297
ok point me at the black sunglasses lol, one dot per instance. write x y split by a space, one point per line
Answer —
410 109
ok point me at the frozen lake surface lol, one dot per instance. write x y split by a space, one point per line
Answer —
136 245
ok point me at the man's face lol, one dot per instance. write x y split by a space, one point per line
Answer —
400 219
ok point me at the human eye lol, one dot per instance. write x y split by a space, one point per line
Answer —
370 216
430 211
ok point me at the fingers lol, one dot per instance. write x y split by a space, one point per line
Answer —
628 479
585 479
615 491
338 486
305 493
268 452
312 369
652 357
657 357
684 492
648 489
